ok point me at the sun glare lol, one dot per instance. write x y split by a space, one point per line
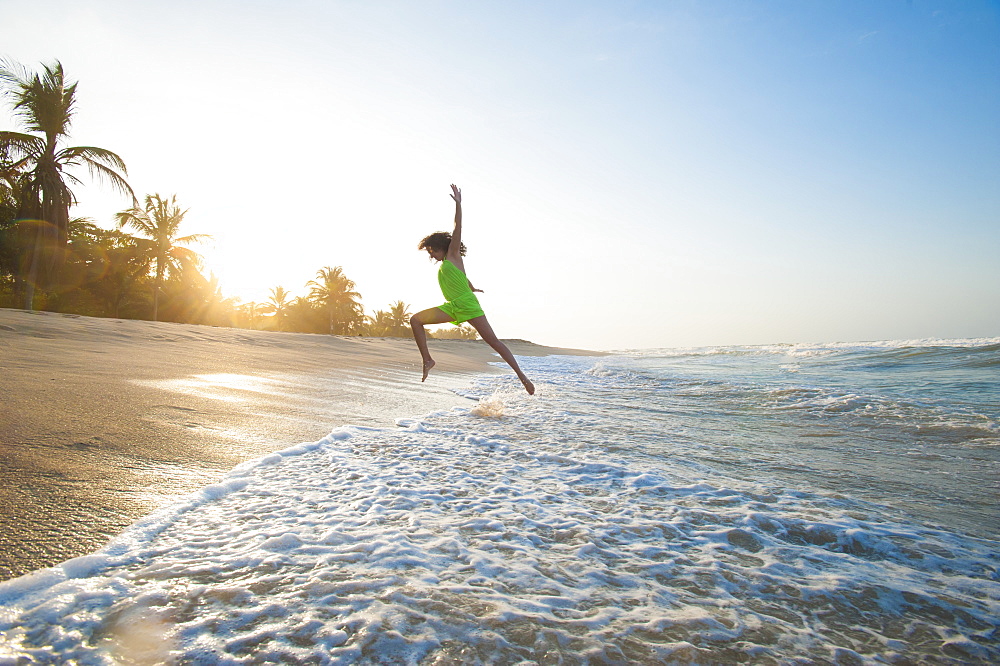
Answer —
239 276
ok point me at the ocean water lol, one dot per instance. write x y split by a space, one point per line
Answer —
784 504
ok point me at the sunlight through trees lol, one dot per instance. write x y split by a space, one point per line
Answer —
38 171
52 261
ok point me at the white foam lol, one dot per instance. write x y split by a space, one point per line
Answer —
459 538
491 407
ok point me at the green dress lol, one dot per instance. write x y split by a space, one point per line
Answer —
462 305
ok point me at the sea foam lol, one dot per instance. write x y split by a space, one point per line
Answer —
548 534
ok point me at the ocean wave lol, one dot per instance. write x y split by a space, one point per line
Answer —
422 544
912 421
891 348
909 390
530 530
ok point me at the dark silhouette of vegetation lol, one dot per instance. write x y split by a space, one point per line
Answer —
38 170
463 332
334 293
52 261
277 306
394 322
159 221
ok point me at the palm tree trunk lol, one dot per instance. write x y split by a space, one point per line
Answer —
32 277
156 289
29 284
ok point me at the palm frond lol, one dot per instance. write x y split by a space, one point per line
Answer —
135 219
185 256
46 102
94 154
193 238
71 177
13 76
102 163
111 176
18 145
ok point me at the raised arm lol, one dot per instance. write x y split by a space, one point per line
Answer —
455 249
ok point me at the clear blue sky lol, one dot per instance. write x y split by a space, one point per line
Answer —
635 174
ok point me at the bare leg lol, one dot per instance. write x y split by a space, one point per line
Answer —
417 323
490 338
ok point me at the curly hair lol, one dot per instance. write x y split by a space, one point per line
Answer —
439 240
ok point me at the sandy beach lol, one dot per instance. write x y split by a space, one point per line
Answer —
105 420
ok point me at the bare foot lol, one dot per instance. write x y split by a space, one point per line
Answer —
428 364
528 386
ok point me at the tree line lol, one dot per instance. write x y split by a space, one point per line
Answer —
52 261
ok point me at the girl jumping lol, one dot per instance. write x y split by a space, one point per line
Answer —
461 303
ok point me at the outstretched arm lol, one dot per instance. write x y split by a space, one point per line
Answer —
455 249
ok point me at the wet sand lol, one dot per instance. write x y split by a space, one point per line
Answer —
104 420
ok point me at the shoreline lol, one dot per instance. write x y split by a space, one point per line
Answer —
107 420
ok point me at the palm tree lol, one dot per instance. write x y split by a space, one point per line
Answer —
42 169
399 319
159 220
249 314
278 304
379 324
334 292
